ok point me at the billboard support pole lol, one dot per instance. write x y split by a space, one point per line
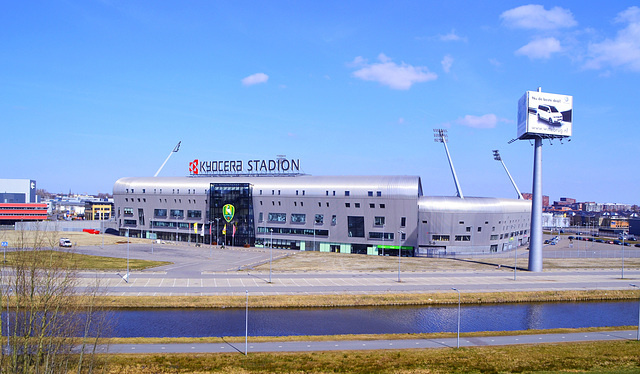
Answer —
535 246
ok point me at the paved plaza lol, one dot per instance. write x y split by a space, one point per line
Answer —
208 270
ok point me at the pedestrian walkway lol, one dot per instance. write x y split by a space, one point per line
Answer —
352 345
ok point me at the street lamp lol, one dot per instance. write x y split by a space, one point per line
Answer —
126 279
400 232
457 290
8 325
271 253
638 335
217 241
246 325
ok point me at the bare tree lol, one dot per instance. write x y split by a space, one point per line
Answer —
47 318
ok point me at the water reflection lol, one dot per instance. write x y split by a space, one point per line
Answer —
371 320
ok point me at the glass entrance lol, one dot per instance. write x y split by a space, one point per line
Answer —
231 212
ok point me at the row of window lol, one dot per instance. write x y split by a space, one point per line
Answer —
346 193
144 200
318 219
173 191
291 231
177 213
466 238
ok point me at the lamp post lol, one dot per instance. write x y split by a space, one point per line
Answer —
400 232
270 253
457 290
515 263
246 324
217 219
8 325
638 335
128 240
622 277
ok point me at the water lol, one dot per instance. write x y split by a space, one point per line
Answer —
371 320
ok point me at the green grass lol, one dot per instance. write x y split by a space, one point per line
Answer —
590 357
70 260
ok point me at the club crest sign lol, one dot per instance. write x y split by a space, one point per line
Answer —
228 211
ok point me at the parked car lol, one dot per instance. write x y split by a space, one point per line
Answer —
617 242
637 245
65 242
599 241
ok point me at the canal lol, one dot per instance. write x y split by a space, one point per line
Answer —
181 322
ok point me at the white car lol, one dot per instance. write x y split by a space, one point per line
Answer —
550 114
64 242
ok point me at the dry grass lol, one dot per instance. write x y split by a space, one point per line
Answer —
303 301
77 238
72 260
342 262
594 357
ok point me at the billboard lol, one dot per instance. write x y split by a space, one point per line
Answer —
544 114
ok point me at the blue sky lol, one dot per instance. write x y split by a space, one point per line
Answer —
92 91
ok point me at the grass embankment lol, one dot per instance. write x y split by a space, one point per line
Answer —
592 357
369 337
71 260
305 301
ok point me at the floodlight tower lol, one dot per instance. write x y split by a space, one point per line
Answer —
175 149
496 156
440 136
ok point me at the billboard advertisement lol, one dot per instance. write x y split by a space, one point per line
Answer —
544 114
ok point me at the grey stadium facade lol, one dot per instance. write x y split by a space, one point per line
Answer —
373 215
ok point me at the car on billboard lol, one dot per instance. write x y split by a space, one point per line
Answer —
550 114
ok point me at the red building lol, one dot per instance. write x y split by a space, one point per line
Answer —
545 198
11 213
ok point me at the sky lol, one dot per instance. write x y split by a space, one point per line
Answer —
93 91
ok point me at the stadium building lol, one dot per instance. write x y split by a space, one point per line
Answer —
226 203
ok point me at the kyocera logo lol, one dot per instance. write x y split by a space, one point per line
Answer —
193 166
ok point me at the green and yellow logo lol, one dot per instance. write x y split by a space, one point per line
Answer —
228 211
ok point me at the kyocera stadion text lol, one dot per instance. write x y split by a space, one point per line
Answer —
238 166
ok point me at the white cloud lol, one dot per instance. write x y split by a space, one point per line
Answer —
255 79
624 50
536 17
452 37
388 73
400 121
446 62
487 121
540 48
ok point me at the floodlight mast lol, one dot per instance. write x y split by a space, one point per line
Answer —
175 149
440 136
496 156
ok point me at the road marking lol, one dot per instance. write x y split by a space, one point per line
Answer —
148 280
160 285
174 282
